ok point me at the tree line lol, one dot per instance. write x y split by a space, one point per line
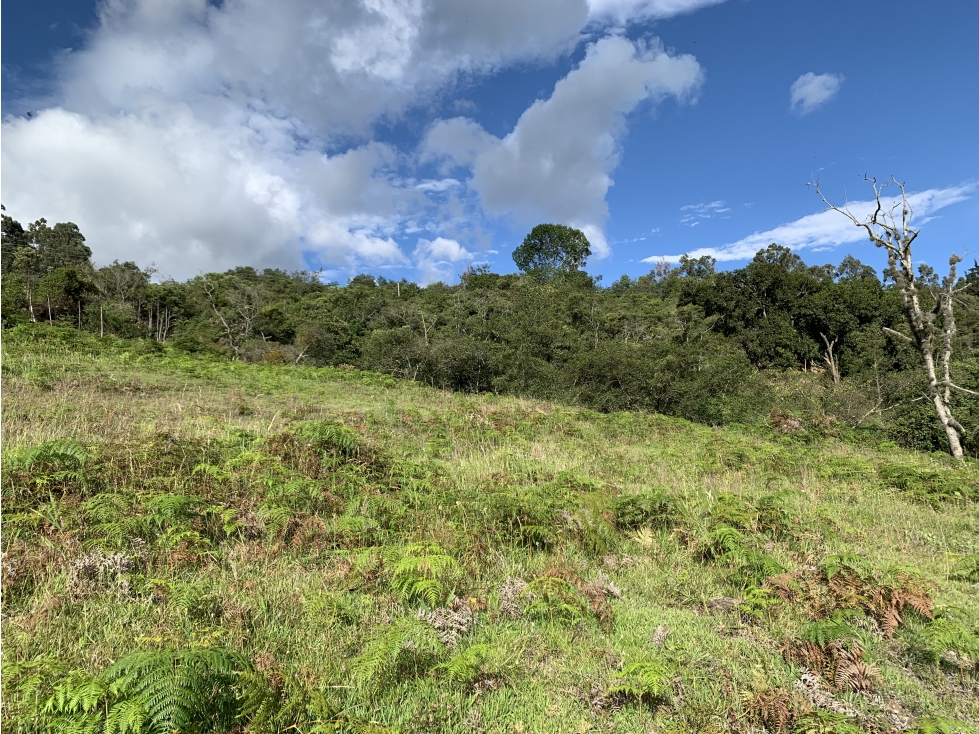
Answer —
773 341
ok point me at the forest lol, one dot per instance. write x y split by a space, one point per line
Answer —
810 347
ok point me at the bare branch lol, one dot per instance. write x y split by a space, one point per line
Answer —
899 335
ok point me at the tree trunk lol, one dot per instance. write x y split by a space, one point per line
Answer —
101 320
830 359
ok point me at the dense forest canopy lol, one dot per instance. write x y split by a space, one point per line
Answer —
776 340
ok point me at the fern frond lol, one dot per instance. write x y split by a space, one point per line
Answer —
62 454
966 569
846 563
180 689
825 722
408 643
127 717
470 664
837 627
642 681
941 725
420 572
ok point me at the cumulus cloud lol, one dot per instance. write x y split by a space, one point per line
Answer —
826 229
192 133
557 162
435 259
811 90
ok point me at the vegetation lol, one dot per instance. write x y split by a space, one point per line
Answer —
822 350
201 545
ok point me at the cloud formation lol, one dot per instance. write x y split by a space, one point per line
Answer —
693 214
202 135
556 163
826 229
811 90
436 259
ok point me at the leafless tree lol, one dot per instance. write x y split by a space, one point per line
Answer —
932 329
830 359
236 304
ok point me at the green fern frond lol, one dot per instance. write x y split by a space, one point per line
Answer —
127 717
966 569
837 627
946 635
723 541
62 454
470 664
421 572
181 689
407 645
941 725
642 681
825 722
554 599
847 562
332 437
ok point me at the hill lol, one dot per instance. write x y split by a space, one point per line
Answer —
247 547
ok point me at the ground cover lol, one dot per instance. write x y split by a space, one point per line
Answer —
201 545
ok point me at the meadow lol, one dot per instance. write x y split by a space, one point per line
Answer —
197 545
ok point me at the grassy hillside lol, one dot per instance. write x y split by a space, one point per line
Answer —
254 548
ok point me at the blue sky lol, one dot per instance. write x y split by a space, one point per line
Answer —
415 137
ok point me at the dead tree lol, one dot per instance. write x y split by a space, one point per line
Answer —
932 329
830 359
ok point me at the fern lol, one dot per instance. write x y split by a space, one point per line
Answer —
192 689
332 437
474 663
61 461
421 572
644 681
62 454
407 646
723 542
732 511
846 563
943 636
966 569
941 725
837 627
553 598
825 722
643 510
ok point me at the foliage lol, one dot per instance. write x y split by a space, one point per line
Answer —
647 682
550 249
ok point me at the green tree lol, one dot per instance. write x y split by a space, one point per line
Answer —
550 249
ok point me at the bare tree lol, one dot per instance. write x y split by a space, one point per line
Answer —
830 359
932 329
236 304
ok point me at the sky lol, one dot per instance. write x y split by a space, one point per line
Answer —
415 138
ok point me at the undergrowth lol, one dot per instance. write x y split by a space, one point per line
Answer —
245 548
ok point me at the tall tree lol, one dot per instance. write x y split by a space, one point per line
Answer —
550 249
932 329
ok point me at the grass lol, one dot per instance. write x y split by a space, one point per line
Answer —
435 562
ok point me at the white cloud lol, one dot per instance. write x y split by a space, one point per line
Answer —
191 133
693 213
624 10
557 162
826 229
435 259
811 90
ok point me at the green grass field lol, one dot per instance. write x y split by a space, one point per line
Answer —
196 545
